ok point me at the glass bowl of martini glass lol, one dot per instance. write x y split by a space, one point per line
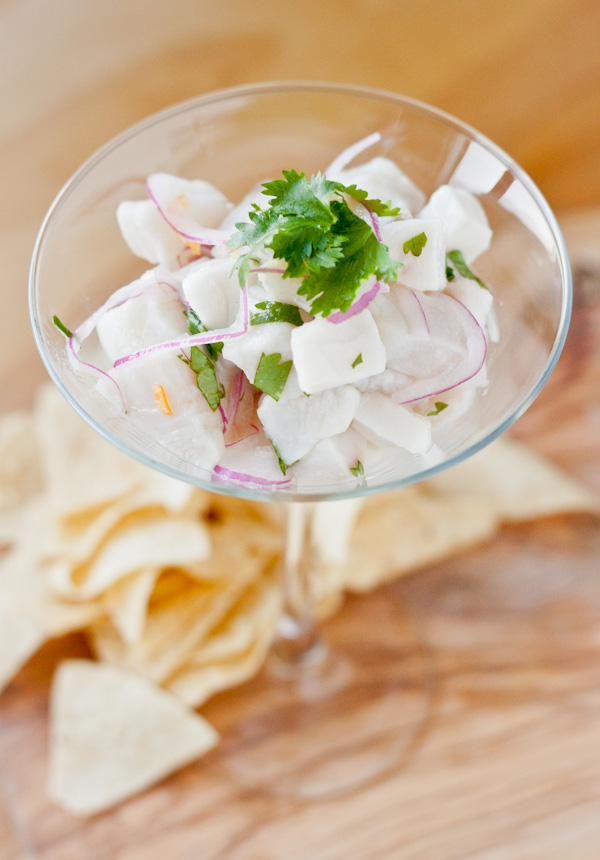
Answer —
339 723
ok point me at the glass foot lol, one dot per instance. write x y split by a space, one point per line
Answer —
345 717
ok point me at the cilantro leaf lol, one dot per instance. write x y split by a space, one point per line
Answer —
439 407
457 259
415 245
206 377
375 206
449 273
276 312
336 288
358 360
309 225
196 326
61 326
358 470
271 376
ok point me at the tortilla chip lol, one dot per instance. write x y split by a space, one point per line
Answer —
174 627
403 530
113 734
20 469
20 638
235 649
516 481
82 471
29 614
127 602
144 539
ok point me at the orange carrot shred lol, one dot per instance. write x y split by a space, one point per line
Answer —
160 398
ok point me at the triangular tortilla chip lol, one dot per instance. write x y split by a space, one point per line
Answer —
144 539
113 734
516 481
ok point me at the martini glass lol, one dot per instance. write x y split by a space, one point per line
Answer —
338 721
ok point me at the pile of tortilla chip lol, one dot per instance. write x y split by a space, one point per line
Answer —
176 588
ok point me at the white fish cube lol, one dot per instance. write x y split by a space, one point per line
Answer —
213 292
474 297
382 420
146 232
268 338
193 431
295 426
384 181
427 269
467 226
153 317
203 200
328 354
330 461
280 289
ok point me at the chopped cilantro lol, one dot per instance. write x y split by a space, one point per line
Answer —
196 326
61 326
375 206
206 377
310 226
358 360
282 464
415 245
439 407
271 376
276 312
449 273
359 470
461 267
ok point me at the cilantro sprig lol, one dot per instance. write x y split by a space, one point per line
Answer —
206 377
276 312
272 374
459 263
309 225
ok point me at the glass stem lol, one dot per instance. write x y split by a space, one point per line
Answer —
297 646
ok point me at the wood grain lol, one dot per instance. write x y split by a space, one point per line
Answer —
510 767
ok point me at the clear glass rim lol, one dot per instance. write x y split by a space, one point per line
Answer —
274 88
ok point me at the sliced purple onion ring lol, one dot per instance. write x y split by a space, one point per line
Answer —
229 476
455 374
350 153
412 311
359 305
91 369
160 190
213 336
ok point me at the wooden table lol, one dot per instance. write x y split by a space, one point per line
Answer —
509 767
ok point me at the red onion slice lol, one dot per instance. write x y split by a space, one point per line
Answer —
412 311
160 190
229 476
453 374
359 305
91 369
213 336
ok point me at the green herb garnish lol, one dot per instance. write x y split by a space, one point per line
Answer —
415 245
359 470
310 226
206 377
439 407
449 273
196 326
276 312
61 326
457 259
358 360
271 376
